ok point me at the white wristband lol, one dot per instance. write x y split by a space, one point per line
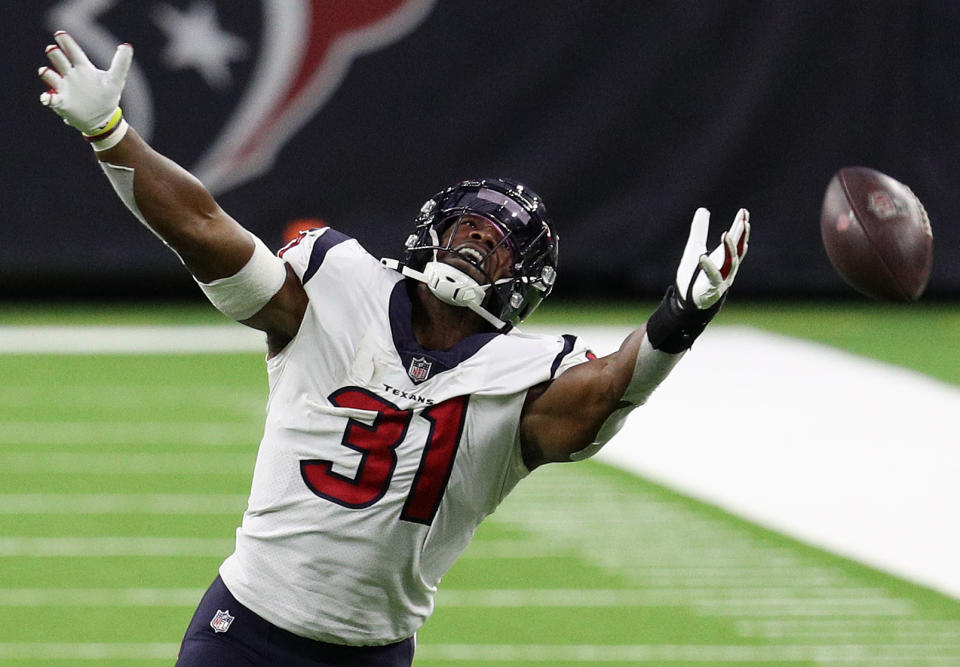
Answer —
651 369
111 139
243 294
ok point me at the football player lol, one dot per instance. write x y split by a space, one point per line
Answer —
404 404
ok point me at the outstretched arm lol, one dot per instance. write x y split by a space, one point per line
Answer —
571 417
232 266
178 208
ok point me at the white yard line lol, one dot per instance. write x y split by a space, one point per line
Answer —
828 601
42 651
824 601
175 504
127 464
896 654
95 339
100 597
95 547
75 433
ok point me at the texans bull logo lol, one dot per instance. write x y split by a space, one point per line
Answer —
267 75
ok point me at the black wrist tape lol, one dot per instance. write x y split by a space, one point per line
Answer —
676 323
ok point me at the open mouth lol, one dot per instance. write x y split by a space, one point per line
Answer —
471 254
472 261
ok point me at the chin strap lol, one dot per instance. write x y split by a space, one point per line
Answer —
452 286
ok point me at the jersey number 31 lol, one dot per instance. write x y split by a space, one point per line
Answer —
377 444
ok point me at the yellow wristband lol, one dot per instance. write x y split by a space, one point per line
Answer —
115 119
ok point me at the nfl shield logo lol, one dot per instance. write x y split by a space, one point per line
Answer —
221 621
419 369
882 204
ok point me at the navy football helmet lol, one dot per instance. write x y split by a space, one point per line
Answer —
521 216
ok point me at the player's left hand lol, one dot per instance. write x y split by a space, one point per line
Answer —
705 287
85 97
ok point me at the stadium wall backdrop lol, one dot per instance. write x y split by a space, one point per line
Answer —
625 116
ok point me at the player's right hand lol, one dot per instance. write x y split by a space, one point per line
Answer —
85 97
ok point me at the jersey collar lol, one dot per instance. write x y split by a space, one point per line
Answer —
420 363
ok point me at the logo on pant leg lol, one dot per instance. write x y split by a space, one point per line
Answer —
221 621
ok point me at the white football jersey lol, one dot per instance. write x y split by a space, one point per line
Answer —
379 458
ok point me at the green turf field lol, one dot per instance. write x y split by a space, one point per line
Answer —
122 479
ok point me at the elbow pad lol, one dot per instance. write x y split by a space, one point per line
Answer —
243 294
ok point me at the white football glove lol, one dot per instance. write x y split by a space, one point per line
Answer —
706 287
85 97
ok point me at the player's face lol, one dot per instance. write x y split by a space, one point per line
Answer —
474 238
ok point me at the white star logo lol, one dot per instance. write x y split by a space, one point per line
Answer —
196 40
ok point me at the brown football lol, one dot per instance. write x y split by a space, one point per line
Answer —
877 234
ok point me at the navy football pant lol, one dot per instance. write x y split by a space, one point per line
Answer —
250 641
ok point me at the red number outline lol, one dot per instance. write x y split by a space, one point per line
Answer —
377 444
